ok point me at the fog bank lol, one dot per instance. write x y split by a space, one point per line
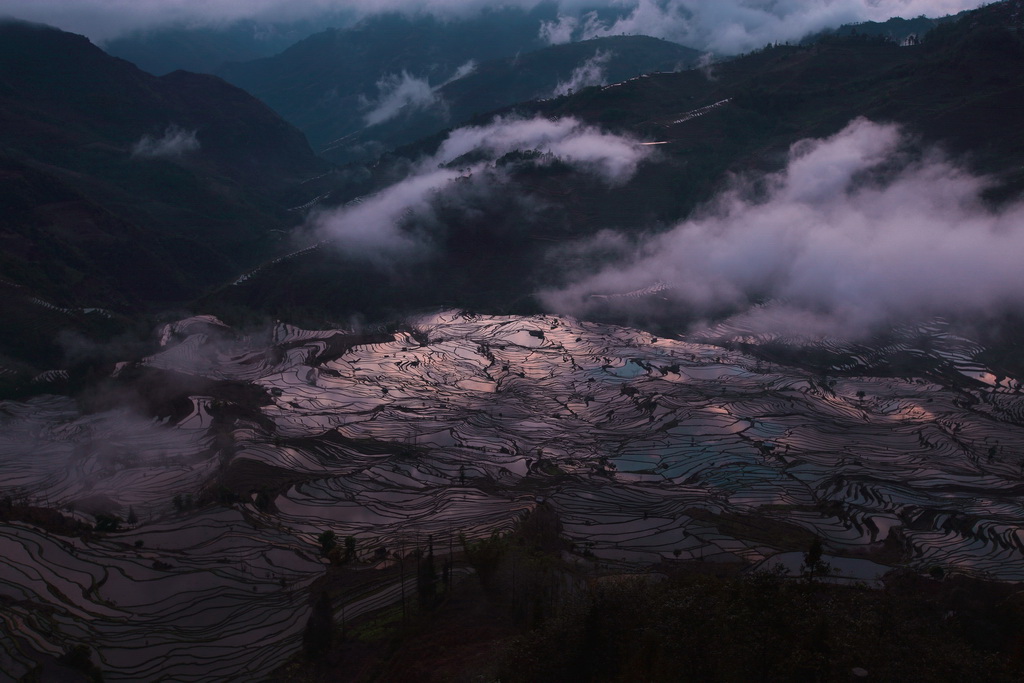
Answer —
855 232
724 26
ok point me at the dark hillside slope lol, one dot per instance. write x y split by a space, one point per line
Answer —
963 89
499 83
897 29
204 48
126 191
317 83
534 75
59 93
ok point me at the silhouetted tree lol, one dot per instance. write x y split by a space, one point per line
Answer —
316 639
263 500
813 564
79 658
107 522
327 541
350 548
426 578
484 555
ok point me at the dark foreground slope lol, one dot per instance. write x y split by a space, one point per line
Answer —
697 621
122 191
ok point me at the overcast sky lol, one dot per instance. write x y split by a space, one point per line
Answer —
723 25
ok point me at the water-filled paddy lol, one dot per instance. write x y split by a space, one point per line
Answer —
646 448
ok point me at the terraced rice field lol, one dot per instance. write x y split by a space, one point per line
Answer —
649 449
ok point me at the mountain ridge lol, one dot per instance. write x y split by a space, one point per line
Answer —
499 83
317 83
128 190
736 117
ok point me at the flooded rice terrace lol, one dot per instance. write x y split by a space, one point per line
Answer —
649 450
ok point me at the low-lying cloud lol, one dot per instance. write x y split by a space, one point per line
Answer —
560 31
403 93
398 93
857 231
613 158
173 144
590 72
725 26
100 462
375 227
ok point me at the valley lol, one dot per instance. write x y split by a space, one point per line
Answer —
519 343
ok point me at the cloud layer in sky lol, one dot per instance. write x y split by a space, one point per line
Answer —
725 26
853 233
